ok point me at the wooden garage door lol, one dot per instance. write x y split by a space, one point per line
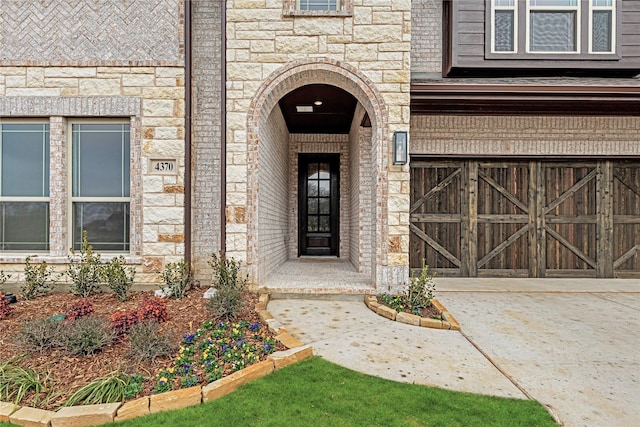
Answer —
526 218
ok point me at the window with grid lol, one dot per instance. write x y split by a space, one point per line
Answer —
553 26
24 187
100 185
318 4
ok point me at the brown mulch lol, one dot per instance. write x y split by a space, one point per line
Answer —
70 372
430 312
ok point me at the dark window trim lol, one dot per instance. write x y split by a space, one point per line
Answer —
522 41
448 38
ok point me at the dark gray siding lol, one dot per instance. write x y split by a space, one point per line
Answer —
466 27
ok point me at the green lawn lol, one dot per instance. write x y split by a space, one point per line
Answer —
318 393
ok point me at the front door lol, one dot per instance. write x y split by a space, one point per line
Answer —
318 204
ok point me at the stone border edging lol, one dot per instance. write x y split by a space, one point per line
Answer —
89 415
449 322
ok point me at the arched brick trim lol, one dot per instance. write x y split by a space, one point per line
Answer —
339 74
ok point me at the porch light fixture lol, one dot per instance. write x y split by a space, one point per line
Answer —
400 148
304 108
317 103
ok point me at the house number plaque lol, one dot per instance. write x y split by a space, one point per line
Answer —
163 166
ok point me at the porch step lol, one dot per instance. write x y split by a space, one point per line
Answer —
327 294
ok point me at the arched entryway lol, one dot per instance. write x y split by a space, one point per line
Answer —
278 148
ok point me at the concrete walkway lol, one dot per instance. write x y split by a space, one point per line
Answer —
565 343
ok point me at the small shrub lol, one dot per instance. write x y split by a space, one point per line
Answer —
227 302
112 388
86 335
40 334
3 278
84 271
177 279
5 307
122 321
36 279
413 297
420 290
118 277
148 343
153 309
80 308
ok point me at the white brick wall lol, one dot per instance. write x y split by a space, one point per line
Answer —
426 36
273 230
525 135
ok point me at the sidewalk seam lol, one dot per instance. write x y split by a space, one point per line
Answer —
600 295
510 378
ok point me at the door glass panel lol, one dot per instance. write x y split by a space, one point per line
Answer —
324 224
325 188
325 206
312 206
312 223
313 171
312 188
324 171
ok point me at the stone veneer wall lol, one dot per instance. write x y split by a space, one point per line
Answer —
152 99
274 196
426 36
525 135
207 51
365 51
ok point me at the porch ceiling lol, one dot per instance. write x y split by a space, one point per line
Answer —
334 115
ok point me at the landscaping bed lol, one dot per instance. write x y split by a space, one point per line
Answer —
442 319
414 304
188 323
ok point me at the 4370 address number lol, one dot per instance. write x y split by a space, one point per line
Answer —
163 167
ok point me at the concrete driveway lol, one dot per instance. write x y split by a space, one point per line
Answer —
564 343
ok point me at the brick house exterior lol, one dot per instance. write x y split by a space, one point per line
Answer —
204 95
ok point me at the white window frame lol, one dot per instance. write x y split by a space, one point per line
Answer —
43 199
584 10
320 10
495 8
612 9
70 177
